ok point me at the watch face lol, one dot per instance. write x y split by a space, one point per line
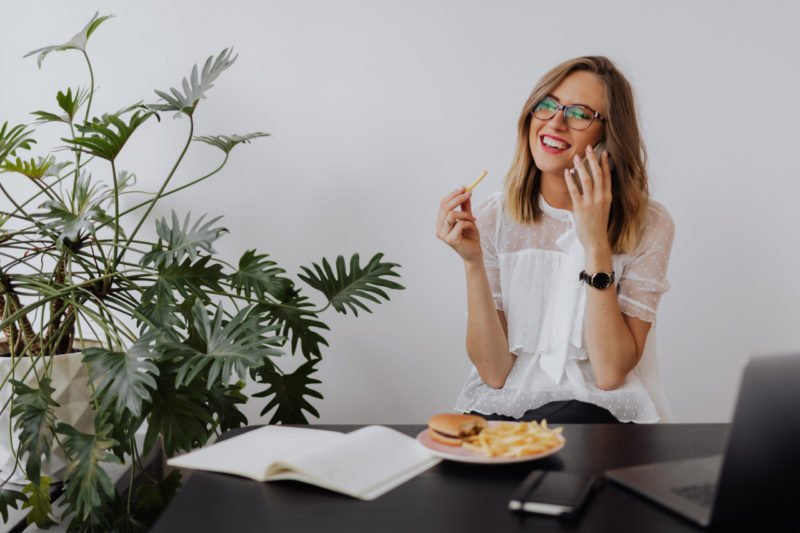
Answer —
601 280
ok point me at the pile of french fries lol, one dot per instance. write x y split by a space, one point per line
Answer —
515 439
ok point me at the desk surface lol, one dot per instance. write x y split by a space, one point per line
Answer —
455 496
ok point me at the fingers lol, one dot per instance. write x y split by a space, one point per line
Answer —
598 178
466 207
574 193
606 166
456 234
450 202
585 178
451 220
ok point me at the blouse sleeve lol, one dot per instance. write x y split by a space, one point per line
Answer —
644 279
487 215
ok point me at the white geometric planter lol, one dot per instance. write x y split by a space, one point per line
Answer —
70 381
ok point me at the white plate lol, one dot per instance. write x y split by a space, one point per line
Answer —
463 455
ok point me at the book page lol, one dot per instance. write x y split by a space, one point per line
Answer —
364 464
251 454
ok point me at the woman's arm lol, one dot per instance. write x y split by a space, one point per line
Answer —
614 341
487 343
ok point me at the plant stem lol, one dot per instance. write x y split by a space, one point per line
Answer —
160 191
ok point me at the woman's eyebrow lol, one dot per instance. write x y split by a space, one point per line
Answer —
554 97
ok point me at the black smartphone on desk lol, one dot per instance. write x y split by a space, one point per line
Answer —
553 493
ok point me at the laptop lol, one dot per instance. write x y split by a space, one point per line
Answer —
759 471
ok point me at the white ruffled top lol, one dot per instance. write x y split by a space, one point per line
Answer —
533 272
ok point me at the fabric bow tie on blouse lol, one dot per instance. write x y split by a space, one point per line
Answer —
567 312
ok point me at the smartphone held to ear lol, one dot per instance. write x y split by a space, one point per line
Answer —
599 148
553 493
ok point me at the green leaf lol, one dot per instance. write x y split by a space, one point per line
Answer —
223 400
123 378
34 169
10 499
11 140
194 88
257 276
187 278
87 486
152 498
235 345
38 502
105 137
68 102
78 42
178 414
182 240
61 218
34 410
226 143
296 323
346 290
289 392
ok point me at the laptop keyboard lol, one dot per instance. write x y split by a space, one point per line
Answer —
700 494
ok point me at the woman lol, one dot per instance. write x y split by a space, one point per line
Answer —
564 273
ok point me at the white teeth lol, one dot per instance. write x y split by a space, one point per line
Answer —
554 143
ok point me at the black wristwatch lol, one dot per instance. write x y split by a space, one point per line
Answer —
598 280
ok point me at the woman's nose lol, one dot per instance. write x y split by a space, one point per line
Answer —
559 121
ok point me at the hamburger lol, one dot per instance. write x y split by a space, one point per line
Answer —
453 428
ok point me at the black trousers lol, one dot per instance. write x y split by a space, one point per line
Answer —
563 412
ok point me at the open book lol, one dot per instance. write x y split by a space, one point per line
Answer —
364 463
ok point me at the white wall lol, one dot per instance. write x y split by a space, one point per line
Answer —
378 109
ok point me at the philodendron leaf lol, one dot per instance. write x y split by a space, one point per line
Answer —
297 323
38 502
347 289
9 499
78 42
69 222
69 103
180 241
289 393
35 169
258 276
123 379
224 399
238 344
178 414
87 485
13 139
186 278
195 87
34 410
226 143
105 136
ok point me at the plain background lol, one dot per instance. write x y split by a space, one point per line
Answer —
379 109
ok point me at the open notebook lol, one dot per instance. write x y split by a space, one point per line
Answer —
363 464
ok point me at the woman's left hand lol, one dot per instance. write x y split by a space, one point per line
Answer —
592 207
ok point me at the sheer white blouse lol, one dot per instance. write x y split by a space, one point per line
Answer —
533 273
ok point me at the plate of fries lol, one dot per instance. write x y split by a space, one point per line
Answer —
501 443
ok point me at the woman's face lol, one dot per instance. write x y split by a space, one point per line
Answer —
578 88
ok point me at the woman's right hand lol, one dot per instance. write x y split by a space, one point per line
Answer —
457 228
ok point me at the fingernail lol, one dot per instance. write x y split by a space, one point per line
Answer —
589 148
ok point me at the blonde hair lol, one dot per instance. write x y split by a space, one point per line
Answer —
623 141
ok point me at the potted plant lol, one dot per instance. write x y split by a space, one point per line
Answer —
164 333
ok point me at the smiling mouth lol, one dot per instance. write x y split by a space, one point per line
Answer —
553 146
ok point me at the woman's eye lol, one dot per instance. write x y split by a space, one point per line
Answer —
579 114
549 105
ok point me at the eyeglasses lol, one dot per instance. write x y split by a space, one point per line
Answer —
577 117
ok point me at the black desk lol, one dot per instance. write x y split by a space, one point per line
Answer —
459 497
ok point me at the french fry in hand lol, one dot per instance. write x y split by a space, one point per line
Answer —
477 181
